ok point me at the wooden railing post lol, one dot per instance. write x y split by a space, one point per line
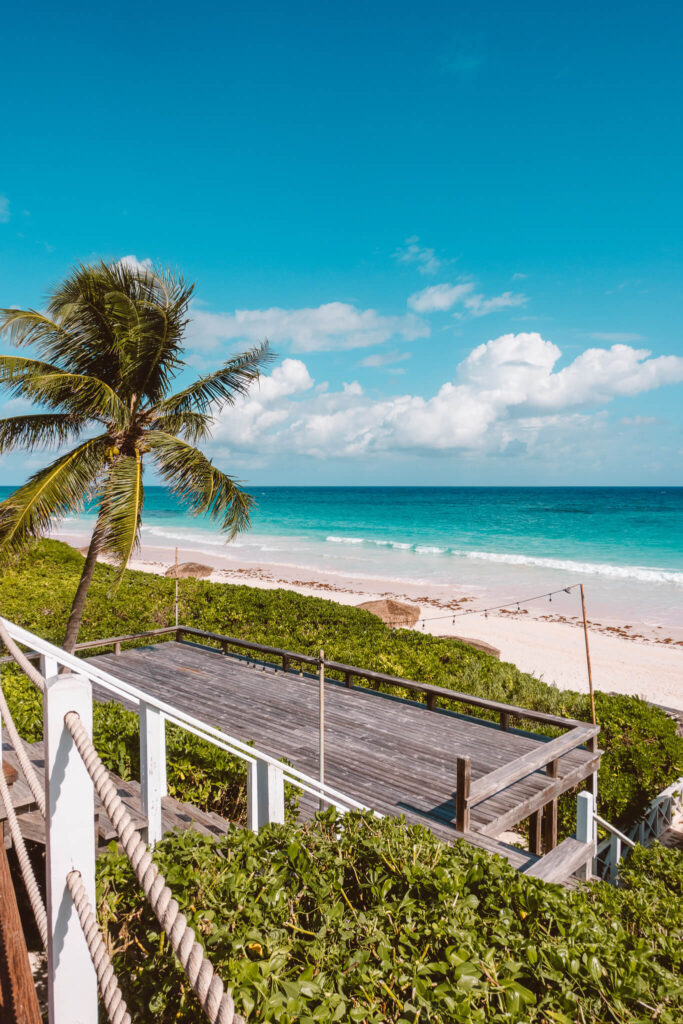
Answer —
179 635
535 844
462 793
504 720
70 844
265 795
152 769
550 813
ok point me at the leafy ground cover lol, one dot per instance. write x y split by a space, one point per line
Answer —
359 919
643 754
374 921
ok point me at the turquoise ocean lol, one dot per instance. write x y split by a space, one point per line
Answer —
625 544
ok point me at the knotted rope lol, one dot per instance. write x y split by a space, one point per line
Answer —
113 1000
32 889
216 1003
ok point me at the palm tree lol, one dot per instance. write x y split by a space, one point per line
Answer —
109 346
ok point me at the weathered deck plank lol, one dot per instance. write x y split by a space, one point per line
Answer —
389 753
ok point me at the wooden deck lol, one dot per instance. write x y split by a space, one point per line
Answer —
396 756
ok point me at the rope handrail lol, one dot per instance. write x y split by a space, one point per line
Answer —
215 1001
27 768
113 1000
27 874
21 659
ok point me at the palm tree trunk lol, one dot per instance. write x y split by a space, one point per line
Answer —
76 614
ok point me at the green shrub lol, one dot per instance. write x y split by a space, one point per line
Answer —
643 754
357 919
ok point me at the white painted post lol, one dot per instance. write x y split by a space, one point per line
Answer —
585 816
49 666
70 845
252 796
152 769
615 857
269 796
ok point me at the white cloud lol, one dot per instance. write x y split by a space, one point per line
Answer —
638 421
442 297
411 252
624 336
506 396
518 276
477 305
4 209
334 325
385 359
135 264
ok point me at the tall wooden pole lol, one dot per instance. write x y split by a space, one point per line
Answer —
321 708
588 653
176 586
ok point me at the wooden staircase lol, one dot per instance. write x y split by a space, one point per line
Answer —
175 814
570 858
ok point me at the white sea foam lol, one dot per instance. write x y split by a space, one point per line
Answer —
424 549
344 540
644 574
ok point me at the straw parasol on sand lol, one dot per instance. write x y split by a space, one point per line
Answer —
194 569
394 613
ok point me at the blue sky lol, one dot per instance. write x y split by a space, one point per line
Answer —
383 189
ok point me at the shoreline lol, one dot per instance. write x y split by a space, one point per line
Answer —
631 658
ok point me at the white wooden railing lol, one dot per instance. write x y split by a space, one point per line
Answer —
652 823
72 775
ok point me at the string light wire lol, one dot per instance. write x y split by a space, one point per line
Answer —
499 607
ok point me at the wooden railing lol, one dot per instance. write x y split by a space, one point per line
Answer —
469 793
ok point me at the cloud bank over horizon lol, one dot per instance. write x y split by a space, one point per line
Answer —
506 396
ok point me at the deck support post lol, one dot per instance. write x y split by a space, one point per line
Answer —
585 824
550 814
152 769
70 845
265 795
462 794
535 843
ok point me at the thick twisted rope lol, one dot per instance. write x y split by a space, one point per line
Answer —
21 659
216 1003
113 1000
32 889
27 768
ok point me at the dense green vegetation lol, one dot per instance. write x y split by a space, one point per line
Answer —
374 921
359 919
643 754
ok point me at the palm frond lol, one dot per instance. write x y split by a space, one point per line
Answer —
122 505
79 394
201 487
29 327
61 488
192 426
224 386
38 430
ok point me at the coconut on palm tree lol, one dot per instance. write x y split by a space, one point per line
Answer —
108 348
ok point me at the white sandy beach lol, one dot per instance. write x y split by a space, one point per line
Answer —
628 658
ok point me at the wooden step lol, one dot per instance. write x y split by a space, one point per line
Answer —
562 862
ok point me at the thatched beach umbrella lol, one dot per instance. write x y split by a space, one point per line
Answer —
394 613
185 569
